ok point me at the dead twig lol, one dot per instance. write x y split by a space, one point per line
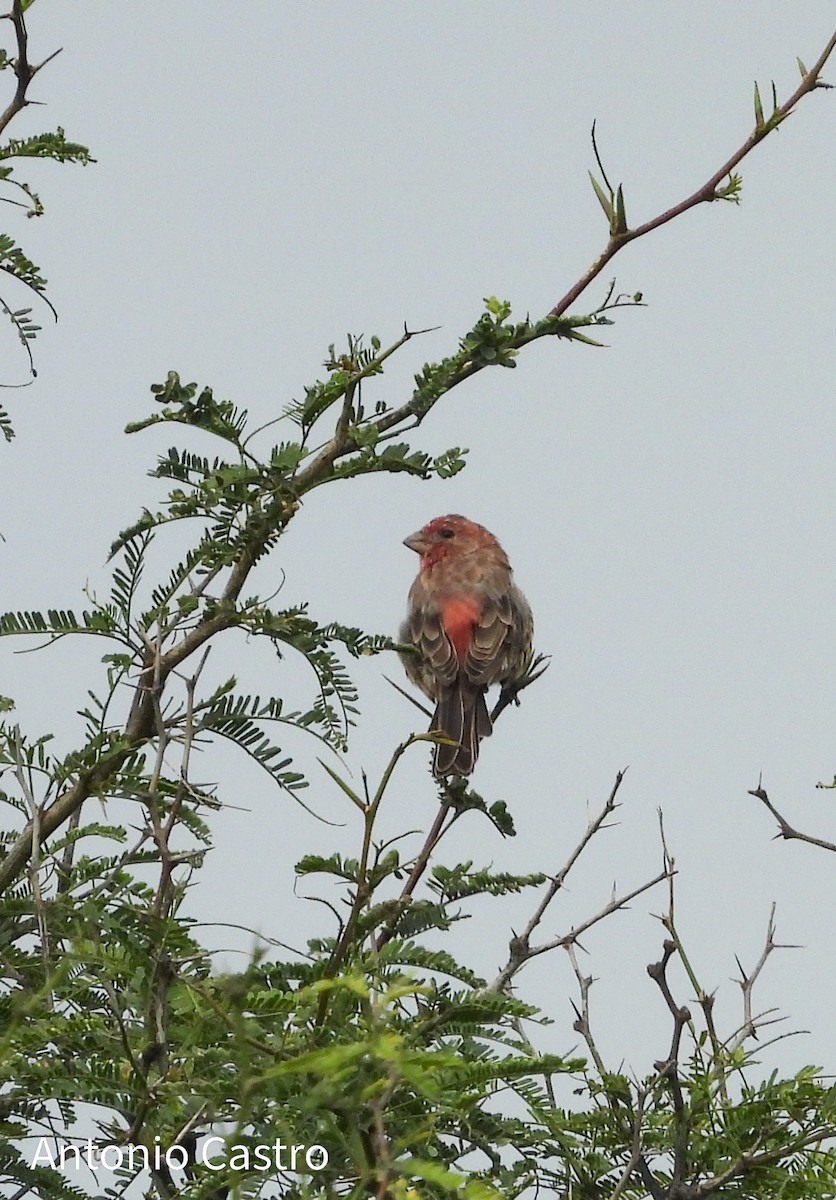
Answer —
520 950
785 830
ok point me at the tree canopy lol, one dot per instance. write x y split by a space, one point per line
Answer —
374 1061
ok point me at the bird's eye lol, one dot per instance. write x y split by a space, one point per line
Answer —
447 532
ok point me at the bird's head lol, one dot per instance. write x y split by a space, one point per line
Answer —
449 537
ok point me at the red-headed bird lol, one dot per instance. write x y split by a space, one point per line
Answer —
472 627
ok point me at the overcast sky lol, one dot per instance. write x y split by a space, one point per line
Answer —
270 180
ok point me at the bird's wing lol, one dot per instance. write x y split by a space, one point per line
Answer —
436 662
501 641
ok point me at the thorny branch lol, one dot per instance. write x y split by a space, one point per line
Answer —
785 830
703 998
521 955
24 71
520 950
668 1069
559 879
751 1024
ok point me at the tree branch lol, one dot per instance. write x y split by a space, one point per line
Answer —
621 1108
751 1024
707 192
669 1068
520 950
520 956
785 830
24 71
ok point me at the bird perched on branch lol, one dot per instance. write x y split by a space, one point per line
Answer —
472 627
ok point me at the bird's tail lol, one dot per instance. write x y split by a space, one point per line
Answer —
462 717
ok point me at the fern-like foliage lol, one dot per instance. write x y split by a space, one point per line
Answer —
240 719
52 145
15 264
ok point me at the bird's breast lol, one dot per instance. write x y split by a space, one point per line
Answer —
458 616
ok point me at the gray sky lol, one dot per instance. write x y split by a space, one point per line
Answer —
267 183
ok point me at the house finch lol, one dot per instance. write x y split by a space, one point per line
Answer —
472 627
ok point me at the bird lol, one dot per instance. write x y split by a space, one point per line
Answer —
471 626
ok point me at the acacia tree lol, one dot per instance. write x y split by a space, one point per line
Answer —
376 1062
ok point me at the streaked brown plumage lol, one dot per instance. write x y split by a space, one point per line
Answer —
472 627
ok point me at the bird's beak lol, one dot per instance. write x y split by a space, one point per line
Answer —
416 542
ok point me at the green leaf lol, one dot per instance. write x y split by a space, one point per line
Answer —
603 199
340 782
501 309
315 864
758 108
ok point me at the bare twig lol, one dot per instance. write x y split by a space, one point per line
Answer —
559 879
704 999
581 1023
751 1024
427 713
785 830
520 950
520 956
747 982
722 1052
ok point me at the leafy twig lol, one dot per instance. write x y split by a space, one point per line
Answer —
709 191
